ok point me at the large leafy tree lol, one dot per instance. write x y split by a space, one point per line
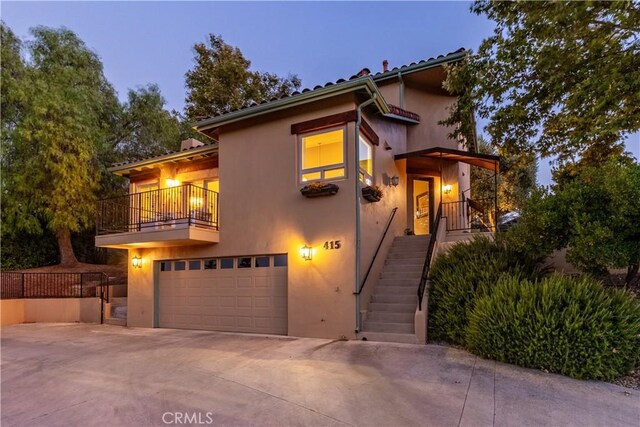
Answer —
146 128
555 79
66 112
221 80
516 180
596 216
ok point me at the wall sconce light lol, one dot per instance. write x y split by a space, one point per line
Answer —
136 262
306 252
446 189
394 180
172 182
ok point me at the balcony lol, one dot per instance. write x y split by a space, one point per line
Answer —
176 216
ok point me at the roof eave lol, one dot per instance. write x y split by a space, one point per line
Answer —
365 82
122 170
437 62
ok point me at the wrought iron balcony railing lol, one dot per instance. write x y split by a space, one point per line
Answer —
175 207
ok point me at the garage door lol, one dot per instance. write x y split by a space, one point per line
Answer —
239 294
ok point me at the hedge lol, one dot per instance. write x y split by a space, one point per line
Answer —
562 324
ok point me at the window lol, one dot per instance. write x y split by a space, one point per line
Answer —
322 155
194 265
365 150
244 262
180 265
226 263
210 264
165 266
262 261
280 261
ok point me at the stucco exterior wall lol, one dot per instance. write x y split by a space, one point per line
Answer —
263 212
432 108
50 310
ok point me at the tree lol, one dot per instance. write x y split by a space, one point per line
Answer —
516 180
596 217
555 78
146 129
50 162
222 81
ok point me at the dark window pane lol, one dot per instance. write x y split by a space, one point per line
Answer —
280 261
244 262
194 264
165 266
262 261
180 265
226 263
210 264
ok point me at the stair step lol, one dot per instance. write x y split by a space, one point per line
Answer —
396 299
385 282
118 301
409 268
119 311
116 321
388 337
394 308
383 316
396 328
395 254
395 290
410 246
405 261
407 276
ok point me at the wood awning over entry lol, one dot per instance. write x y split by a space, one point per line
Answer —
430 159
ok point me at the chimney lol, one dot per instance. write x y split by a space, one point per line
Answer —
385 66
190 143
364 72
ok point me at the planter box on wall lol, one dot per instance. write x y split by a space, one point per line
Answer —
371 194
319 191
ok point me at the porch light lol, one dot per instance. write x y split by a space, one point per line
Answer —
306 252
172 182
394 180
136 262
446 189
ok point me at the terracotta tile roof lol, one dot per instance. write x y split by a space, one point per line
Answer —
404 113
379 75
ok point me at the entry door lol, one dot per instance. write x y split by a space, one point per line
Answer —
421 204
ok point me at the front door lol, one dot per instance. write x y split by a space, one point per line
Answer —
421 204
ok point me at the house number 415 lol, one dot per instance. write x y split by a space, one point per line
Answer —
332 244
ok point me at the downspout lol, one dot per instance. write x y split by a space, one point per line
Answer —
356 158
401 89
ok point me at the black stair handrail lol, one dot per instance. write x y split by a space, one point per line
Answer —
427 262
373 260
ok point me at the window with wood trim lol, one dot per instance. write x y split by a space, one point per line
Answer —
365 157
322 155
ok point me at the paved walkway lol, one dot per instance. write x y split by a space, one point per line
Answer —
64 375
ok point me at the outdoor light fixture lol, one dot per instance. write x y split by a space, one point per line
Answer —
446 189
306 252
173 182
394 180
136 262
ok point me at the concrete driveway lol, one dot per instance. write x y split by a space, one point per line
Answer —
73 374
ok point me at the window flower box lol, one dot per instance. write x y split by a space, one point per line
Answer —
319 189
372 193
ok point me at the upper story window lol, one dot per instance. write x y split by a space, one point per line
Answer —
322 155
365 150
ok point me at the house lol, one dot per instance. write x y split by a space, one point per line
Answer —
220 236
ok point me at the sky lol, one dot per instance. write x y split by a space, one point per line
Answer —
151 42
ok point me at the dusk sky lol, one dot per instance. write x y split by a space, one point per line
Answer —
149 42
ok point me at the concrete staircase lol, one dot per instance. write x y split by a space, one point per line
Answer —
394 299
117 312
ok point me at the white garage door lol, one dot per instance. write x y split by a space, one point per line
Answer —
240 294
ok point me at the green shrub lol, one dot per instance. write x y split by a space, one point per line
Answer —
468 271
571 326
